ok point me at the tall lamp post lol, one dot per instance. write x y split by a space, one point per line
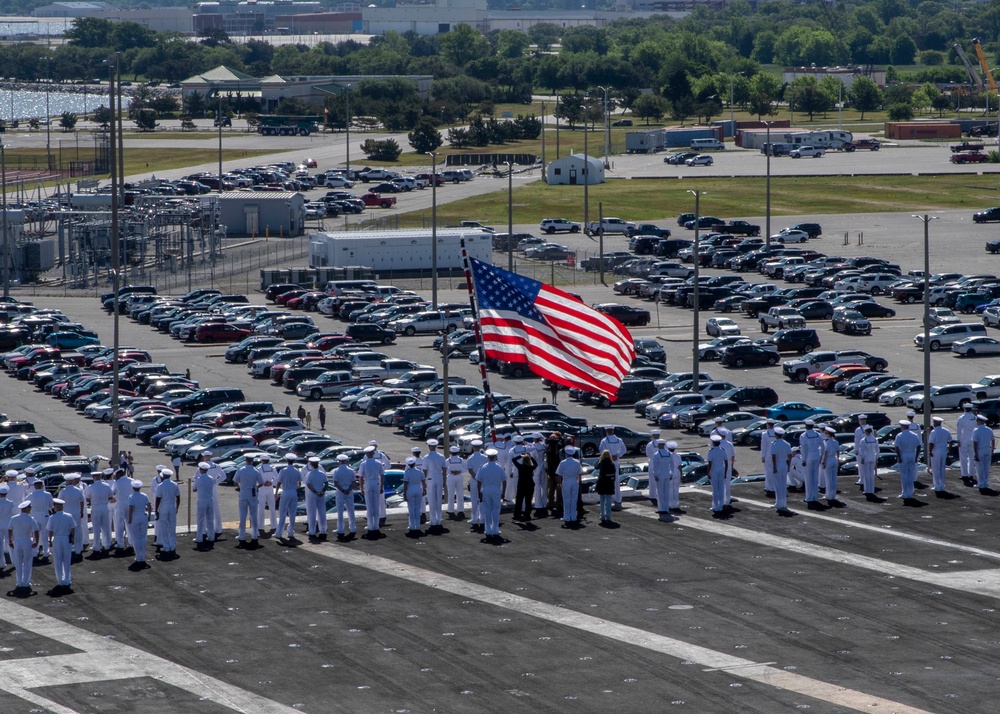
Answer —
116 119
767 190
434 232
219 121
696 330
926 220
586 176
510 216
607 130
347 125
6 244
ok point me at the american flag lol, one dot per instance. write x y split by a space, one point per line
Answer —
560 338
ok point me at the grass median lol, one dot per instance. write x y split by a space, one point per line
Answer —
657 199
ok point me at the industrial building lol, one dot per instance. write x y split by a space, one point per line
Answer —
575 169
263 213
398 251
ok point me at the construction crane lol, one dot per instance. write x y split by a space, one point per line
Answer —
982 63
973 75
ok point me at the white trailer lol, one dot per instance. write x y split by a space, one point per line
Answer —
825 138
398 250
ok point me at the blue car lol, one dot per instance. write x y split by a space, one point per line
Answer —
71 340
794 411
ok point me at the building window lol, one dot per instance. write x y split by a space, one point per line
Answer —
444 27
557 172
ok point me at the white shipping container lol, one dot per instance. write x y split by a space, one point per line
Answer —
399 249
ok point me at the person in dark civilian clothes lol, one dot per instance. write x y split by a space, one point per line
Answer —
605 485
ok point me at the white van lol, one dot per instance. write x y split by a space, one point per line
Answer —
707 145
337 288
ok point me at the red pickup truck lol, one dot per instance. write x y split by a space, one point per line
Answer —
969 157
377 199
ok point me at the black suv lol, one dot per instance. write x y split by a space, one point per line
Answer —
751 396
370 332
813 229
625 314
990 408
799 340
987 216
206 399
849 422
749 355
630 392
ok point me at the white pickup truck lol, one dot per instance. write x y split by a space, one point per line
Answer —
610 225
807 151
779 318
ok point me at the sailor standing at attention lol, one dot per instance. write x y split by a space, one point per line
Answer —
475 462
265 495
289 480
811 449
61 530
780 456
371 473
166 501
76 505
767 437
344 481
964 426
455 498
937 446
22 538
434 470
983 445
248 480
203 485
907 445
316 486
867 454
99 495
718 472
137 518
491 479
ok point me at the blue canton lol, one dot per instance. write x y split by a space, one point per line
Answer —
497 289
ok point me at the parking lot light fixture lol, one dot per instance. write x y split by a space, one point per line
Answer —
696 330
926 220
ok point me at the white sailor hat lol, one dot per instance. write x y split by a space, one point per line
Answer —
290 456
204 466
20 477
937 419
373 443
492 452
24 504
654 432
795 448
454 449
769 420
72 477
518 439
477 442
58 502
410 461
967 406
343 457
207 452
136 484
862 417
718 420
160 467
911 414
537 435
167 473
10 473
4 488
981 417
415 449
661 442
313 459
265 458
778 431
570 450
809 422
868 427
30 470
830 430
609 427
904 422
369 449
432 442
715 438
671 444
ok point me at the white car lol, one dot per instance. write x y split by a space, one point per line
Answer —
558 225
714 349
977 347
791 236
722 327
898 397
700 160
947 396
337 181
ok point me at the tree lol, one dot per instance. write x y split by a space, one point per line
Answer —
808 97
194 104
214 36
425 137
145 120
102 116
864 95
381 149
764 90
650 106
90 32
707 109
681 109
463 44
68 121
900 112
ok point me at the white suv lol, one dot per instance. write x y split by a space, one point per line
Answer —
556 225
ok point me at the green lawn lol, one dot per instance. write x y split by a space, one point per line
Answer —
656 199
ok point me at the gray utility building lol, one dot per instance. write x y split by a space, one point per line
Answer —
257 213
573 168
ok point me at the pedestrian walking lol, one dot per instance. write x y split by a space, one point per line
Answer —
309 420
321 413
301 413
606 485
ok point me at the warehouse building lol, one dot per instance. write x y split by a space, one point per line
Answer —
263 213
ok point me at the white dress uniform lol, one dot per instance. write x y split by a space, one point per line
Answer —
204 485
674 498
660 466
796 475
937 444
41 506
434 467
779 452
265 497
122 488
23 535
472 465
727 446
315 482
767 437
829 466
7 509
718 473
76 506
289 480
248 480
983 445
165 498
372 475
964 426
569 470
386 462
654 436
867 453
343 478
455 466
413 478
61 529
859 434
490 479
17 490
540 500
138 522
908 445
100 493
811 449
216 472
618 449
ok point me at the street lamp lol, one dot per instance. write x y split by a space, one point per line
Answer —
48 117
696 333
6 244
767 190
113 66
607 129
347 125
510 216
586 175
219 122
926 220
434 234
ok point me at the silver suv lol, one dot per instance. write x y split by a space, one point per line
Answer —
557 225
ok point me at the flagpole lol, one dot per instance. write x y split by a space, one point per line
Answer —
477 329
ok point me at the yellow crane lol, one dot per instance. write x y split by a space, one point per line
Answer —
982 63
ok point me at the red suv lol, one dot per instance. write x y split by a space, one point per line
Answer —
220 332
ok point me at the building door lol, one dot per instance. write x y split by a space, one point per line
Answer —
251 217
572 177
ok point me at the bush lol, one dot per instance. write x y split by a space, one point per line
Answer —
381 149
900 112
425 138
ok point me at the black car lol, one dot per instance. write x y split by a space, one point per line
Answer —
751 396
799 340
370 332
870 308
813 229
817 310
993 246
849 422
625 314
748 356
630 392
990 215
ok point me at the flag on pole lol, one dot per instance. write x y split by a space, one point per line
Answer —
560 338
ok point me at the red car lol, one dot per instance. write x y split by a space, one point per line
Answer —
284 297
427 178
377 199
970 157
300 302
220 333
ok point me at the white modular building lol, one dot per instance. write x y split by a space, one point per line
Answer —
399 250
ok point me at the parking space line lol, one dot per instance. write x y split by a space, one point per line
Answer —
678 649
105 659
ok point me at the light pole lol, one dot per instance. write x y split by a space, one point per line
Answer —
732 116
607 129
586 176
6 244
926 220
48 117
115 258
434 231
696 330
347 125
767 190
543 141
510 216
219 121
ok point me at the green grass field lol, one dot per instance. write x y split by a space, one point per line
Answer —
657 199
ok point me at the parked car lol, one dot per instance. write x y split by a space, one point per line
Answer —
625 314
748 355
558 225
722 327
699 160
977 347
850 322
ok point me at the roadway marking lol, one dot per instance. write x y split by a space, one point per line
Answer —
712 660
978 582
104 659
971 549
